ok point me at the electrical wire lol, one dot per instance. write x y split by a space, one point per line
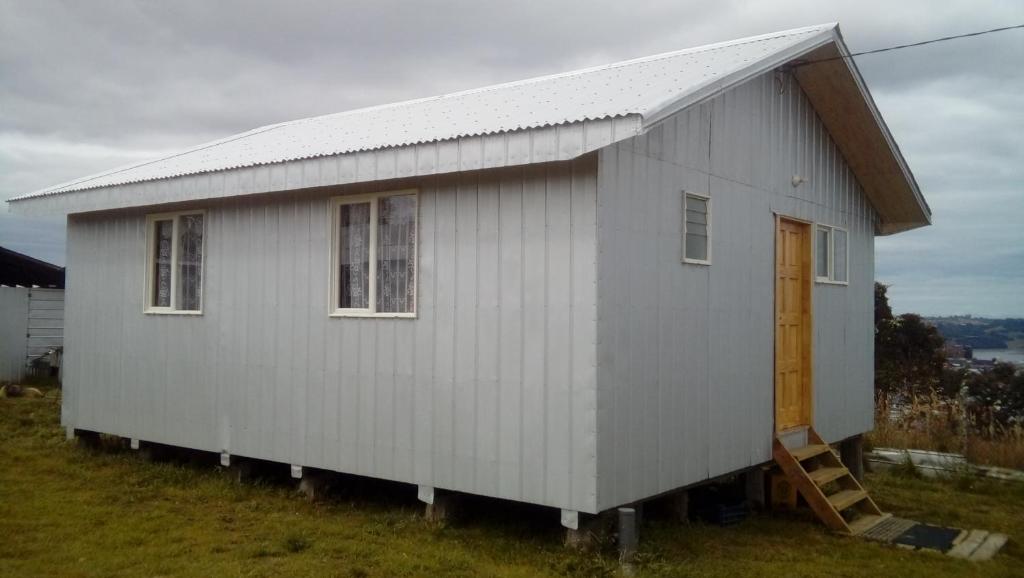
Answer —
901 46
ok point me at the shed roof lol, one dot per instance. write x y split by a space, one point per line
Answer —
20 270
644 90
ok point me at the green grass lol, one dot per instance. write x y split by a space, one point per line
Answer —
69 511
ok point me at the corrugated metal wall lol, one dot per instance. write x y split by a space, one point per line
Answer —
31 323
685 352
489 391
13 329
45 320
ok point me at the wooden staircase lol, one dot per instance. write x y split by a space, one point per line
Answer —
834 495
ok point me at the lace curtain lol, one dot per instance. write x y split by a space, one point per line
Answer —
163 239
190 262
354 254
394 272
396 259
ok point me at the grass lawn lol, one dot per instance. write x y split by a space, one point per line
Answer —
69 511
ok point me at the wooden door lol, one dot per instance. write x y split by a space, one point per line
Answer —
792 324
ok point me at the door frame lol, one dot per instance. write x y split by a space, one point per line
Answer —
807 321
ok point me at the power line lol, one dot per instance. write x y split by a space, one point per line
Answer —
901 46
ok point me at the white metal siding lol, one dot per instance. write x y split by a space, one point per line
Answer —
685 352
45 320
31 323
13 329
490 390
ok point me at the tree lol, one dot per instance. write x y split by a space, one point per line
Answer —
882 310
908 351
997 397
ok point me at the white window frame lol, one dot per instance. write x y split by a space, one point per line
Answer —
707 199
335 285
831 255
147 298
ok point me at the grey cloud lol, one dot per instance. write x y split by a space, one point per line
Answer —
86 86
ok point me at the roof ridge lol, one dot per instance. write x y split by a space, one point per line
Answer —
576 72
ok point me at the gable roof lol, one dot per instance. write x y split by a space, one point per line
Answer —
586 109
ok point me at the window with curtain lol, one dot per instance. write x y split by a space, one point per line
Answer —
696 229
374 255
831 254
163 240
174 262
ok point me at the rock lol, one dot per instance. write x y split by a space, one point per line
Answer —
13 390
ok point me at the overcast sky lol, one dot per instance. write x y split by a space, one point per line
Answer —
86 86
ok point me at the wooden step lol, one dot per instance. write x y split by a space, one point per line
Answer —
822 476
808 452
866 522
810 485
846 498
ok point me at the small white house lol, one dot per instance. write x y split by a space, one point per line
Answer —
580 290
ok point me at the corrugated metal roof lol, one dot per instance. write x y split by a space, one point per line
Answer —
644 87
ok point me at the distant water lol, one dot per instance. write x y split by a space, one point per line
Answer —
1008 355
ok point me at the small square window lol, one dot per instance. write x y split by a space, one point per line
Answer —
374 255
174 262
831 254
696 229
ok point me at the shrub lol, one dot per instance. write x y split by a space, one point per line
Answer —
934 422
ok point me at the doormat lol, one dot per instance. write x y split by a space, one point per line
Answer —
971 545
930 537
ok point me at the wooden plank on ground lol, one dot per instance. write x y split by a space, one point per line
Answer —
969 544
992 544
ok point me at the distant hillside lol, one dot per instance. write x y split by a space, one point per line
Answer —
981 333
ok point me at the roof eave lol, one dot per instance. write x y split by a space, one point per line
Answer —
545 144
894 147
835 68
889 228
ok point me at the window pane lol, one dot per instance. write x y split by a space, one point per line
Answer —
396 253
696 247
354 256
696 204
163 238
822 253
190 262
839 257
